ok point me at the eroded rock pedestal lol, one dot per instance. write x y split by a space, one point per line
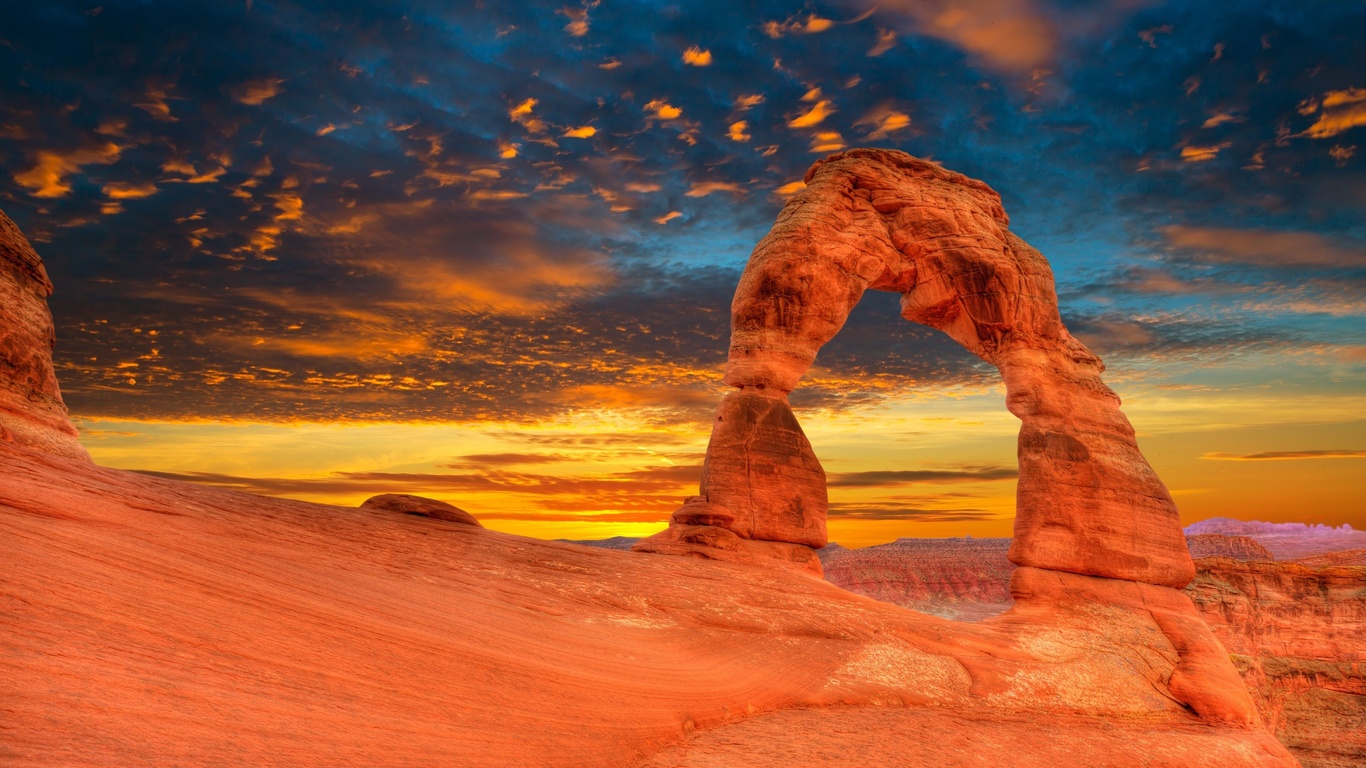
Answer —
32 413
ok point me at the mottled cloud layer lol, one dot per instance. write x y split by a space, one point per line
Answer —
297 211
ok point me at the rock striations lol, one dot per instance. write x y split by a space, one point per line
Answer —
1088 502
32 413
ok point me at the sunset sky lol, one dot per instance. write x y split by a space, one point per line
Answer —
484 252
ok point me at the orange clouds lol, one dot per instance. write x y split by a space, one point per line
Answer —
521 114
1199 154
1339 111
704 188
883 122
1286 455
1013 36
697 57
1263 247
582 132
662 110
49 176
255 92
116 190
813 116
737 131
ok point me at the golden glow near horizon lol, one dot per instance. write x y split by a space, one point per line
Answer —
922 465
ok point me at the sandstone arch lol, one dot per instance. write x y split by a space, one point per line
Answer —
1087 500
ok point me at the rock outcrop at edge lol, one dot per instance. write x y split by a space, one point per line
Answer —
32 413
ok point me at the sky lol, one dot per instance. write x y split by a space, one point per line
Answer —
484 252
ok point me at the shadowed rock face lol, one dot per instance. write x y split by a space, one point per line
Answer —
1088 502
32 413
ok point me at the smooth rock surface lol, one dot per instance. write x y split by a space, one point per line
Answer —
31 409
151 622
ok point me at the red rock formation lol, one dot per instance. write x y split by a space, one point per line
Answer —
1088 503
1298 637
1234 547
31 409
1287 541
419 506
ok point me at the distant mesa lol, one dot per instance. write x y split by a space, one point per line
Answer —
420 506
32 413
1286 541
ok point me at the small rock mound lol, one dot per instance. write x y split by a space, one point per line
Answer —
1232 547
420 506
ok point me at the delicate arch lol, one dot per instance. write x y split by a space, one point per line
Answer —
1087 500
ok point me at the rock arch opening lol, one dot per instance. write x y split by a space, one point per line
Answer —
1087 502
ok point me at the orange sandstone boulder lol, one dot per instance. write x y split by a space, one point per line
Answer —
32 413
420 506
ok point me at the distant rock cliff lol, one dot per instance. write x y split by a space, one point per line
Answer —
1298 637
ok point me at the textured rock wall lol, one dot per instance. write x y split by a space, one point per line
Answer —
32 413
1298 637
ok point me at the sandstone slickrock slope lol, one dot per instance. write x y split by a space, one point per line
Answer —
1296 633
1088 503
151 622
31 409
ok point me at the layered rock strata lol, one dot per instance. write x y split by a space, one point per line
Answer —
32 413
1088 502
1297 636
